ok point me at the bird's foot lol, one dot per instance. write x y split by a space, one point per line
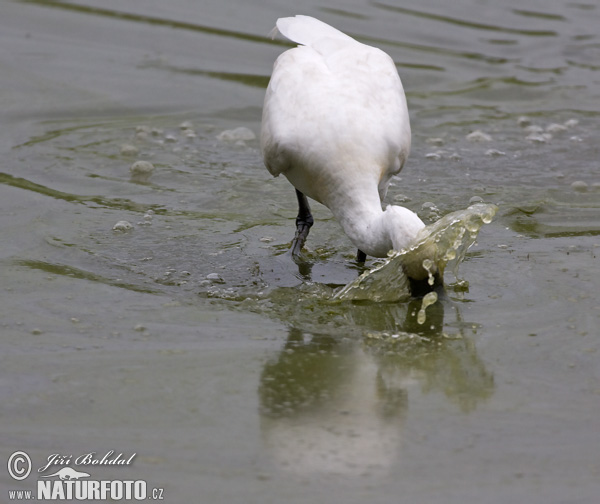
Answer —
303 226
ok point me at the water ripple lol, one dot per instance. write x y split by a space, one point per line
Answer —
150 20
463 23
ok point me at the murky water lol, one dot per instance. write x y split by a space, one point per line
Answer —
189 336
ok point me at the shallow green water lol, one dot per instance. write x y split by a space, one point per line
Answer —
193 339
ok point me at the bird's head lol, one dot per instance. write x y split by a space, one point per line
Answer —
408 234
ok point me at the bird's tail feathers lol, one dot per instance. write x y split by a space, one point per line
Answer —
306 30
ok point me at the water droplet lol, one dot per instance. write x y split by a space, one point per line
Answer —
429 299
473 224
449 255
428 265
488 216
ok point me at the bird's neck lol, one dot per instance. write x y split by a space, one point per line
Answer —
373 230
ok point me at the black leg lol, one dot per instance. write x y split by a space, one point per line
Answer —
304 221
361 257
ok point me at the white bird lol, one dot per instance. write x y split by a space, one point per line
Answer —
335 123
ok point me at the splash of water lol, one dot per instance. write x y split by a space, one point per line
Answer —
443 243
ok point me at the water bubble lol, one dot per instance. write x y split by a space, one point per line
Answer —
435 156
233 135
523 121
476 199
170 138
494 153
435 141
571 123
539 138
478 136
215 278
401 198
579 186
141 170
534 128
129 150
122 226
186 125
555 128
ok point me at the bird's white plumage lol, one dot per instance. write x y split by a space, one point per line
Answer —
335 123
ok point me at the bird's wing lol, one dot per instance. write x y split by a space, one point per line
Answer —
334 98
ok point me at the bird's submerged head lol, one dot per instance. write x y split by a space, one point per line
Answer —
408 233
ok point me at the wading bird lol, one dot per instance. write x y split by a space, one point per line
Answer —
335 123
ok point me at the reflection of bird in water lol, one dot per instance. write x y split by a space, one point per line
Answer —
336 404
326 409
335 123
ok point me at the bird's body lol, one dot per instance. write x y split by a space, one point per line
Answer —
335 123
